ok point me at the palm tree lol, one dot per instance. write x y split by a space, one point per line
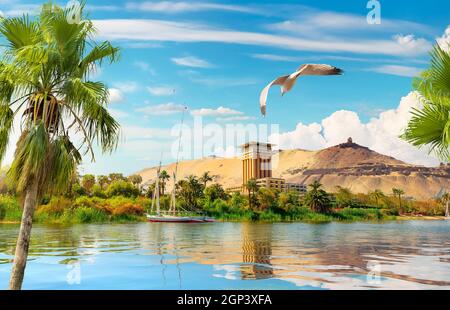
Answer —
45 76
163 177
430 126
252 187
102 180
205 178
318 199
376 195
398 193
445 199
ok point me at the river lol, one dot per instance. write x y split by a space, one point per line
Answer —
391 255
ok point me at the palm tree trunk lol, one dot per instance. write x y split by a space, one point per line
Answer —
446 210
23 241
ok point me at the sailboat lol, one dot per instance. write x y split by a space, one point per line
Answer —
173 215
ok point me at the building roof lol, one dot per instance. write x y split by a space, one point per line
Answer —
255 143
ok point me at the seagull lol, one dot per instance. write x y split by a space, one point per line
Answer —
288 81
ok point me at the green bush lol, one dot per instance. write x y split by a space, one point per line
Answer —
122 188
352 214
88 215
10 209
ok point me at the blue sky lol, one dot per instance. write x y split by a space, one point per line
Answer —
207 55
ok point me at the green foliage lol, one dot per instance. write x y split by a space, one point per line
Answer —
317 199
97 191
122 188
88 182
430 126
214 192
45 69
10 209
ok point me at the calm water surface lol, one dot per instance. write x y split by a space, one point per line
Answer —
395 255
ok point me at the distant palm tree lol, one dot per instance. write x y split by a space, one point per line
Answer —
398 193
430 125
102 180
163 177
45 75
376 195
318 199
205 178
445 200
252 187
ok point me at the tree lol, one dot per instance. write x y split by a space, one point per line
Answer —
398 193
103 181
344 197
45 69
116 177
252 187
205 178
135 179
163 177
445 200
266 198
88 181
377 195
215 192
190 190
122 188
318 199
430 125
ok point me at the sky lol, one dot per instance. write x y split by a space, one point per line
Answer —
214 57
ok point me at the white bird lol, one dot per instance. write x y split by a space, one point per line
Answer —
288 81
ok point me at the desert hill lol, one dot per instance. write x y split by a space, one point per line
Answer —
348 165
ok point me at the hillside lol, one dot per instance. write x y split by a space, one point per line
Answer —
348 165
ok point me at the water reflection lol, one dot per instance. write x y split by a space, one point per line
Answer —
236 255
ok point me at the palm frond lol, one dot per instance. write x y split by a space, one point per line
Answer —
430 126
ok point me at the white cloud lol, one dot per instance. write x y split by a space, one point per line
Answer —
162 30
444 41
161 90
171 7
313 22
162 109
126 86
191 61
220 111
235 118
413 44
380 134
118 113
142 65
115 95
405 71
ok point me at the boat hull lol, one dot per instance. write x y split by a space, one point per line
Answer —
178 219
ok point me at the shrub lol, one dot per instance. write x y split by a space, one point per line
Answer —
56 206
10 209
98 192
122 188
88 215
129 209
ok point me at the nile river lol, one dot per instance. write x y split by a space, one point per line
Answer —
393 255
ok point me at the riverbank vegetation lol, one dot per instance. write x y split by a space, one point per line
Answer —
116 198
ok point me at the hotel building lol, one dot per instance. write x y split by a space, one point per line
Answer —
257 165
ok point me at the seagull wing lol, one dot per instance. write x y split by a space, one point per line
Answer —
310 69
263 96
318 69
